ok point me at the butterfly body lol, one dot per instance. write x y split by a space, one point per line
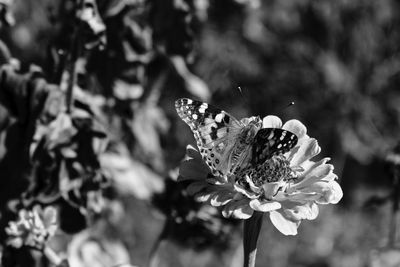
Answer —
227 144
242 147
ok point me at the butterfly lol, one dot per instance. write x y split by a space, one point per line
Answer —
227 144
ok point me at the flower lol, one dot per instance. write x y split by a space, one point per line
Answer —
33 227
290 188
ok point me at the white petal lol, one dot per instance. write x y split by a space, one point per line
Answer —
309 165
331 193
308 149
284 225
264 206
296 127
272 121
331 177
202 196
337 193
308 211
245 192
238 209
221 198
270 189
301 196
315 175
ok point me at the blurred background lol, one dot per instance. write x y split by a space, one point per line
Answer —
338 61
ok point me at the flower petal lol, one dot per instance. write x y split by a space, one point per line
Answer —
308 211
272 121
309 165
299 197
270 189
238 209
203 196
331 192
221 198
315 175
264 206
296 127
330 177
337 193
245 192
308 149
283 224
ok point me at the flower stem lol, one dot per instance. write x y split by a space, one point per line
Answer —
251 231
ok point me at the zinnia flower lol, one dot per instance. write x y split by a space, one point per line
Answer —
290 189
33 227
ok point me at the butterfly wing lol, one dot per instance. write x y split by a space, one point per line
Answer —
272 141
215 132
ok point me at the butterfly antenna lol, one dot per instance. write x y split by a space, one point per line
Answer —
281 111
290 104
240 90
287 106
242 93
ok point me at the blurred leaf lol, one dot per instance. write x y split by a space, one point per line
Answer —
376 201
125 91
387 257
94 28
193 84
88 250
131 177
148 124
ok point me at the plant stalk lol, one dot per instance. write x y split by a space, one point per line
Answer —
251 231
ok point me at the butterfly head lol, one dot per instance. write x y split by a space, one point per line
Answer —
254 120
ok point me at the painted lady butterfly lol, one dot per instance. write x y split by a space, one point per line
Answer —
227 144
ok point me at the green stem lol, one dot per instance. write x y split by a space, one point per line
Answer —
251 231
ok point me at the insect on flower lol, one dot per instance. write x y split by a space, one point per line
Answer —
227 144
256 165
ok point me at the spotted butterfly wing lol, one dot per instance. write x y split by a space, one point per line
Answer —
272 141
215 131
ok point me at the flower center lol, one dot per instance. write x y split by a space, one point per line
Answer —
273 170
